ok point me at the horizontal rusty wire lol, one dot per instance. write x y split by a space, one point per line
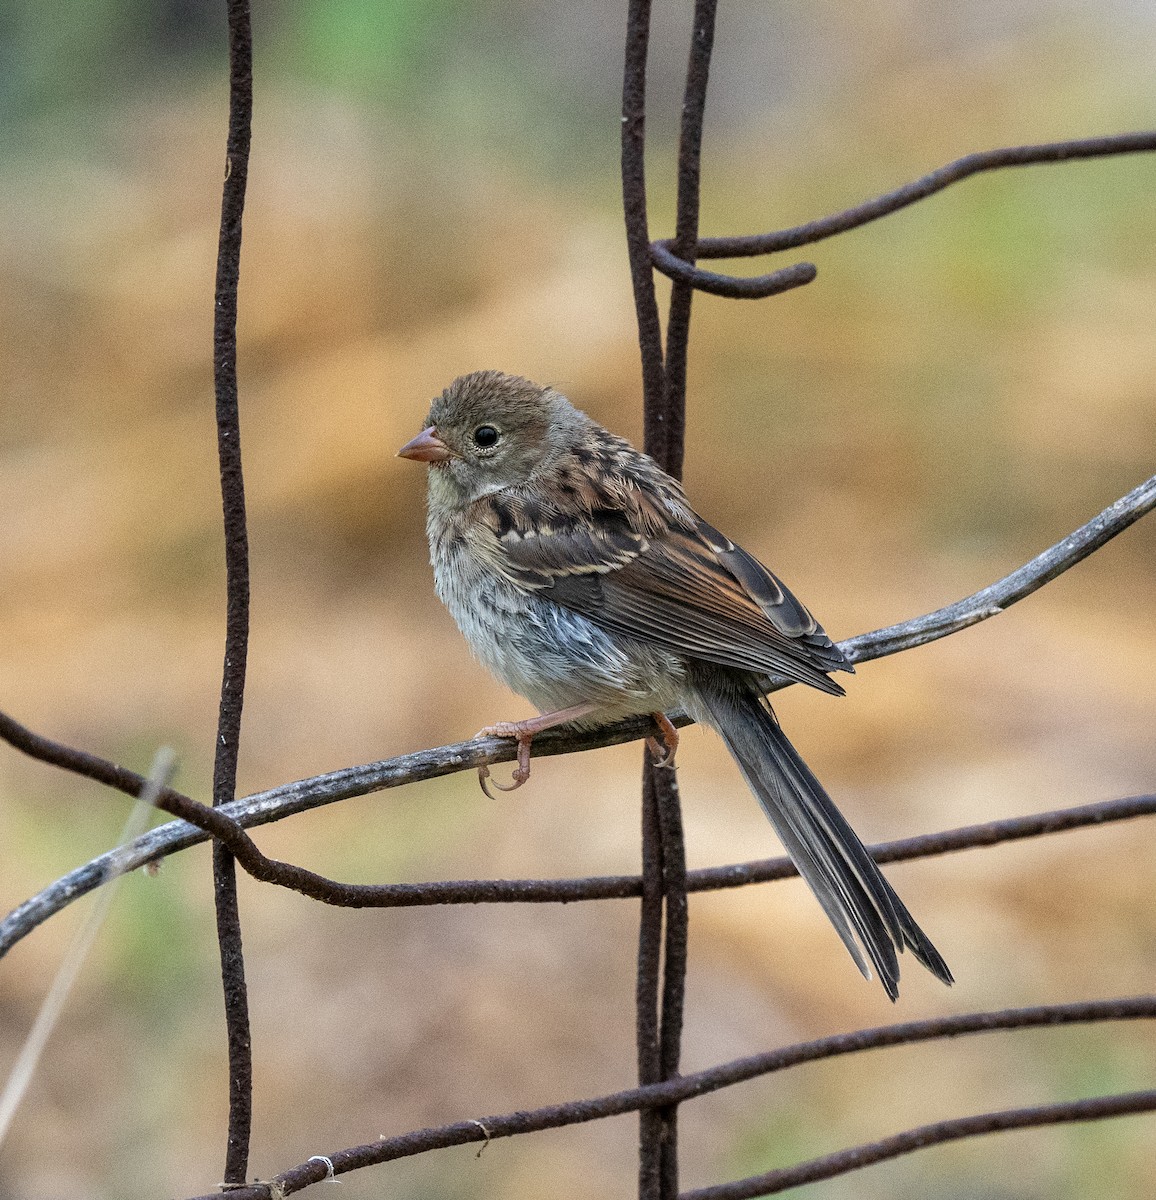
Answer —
160 842
227 823
713 1079
922 1137
664 256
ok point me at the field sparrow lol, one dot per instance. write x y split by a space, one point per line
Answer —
580 575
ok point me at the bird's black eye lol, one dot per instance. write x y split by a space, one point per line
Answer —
486 436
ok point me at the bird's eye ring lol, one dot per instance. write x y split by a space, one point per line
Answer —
486 436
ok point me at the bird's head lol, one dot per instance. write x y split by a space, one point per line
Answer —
489 431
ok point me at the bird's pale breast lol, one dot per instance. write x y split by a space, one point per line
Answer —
554 657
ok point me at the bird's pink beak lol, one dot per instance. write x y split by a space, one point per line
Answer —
426 447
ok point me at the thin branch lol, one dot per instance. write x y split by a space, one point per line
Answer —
842 1162
237 583
302 795
702 1083
24 1068
227 824
991 601
665 254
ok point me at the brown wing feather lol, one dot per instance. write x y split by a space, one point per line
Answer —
639 562
775 599
681 596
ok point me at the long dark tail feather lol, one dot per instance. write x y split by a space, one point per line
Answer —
860 903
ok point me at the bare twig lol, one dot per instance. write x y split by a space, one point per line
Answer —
668 258
702 1083
24 1068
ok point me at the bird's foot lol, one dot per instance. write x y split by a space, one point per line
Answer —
664 752
523 732
524 738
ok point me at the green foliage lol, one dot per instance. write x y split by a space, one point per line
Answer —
367 45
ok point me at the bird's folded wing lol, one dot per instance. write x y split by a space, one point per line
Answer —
687 588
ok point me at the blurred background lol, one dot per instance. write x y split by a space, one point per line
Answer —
434 189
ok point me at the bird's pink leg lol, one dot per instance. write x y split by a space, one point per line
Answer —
664 754
523 732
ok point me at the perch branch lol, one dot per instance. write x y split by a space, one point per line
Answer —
277 803
227 824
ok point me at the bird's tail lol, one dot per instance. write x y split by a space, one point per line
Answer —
861 904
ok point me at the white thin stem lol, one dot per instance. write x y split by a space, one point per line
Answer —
116 863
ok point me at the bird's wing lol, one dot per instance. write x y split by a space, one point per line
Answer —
671 580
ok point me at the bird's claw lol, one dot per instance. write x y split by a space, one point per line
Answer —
662 756
663 752
507 729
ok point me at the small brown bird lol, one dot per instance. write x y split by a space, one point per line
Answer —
580 575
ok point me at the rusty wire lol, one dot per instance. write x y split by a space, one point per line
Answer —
664 881
703 1083
198 823
228 739
220 823
676 258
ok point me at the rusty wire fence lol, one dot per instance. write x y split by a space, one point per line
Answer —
664 882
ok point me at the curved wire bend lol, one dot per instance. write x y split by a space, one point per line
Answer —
733 287
752 245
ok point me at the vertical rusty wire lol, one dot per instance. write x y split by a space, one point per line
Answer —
634 208
686 228
670 453
237 584
663 926
674 965
647 1034
647 1028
